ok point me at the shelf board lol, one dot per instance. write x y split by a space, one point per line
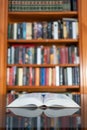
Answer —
42 65
39 16
43 88
44 41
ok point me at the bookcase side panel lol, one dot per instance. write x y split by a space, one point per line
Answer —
3 33
83 63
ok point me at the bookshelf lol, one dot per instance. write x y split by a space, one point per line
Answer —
32 17
8 17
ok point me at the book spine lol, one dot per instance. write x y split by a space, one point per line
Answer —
55 30
20 76
49 30
30 76
53 76
50 76
74 30
37 76
8 75
38 55
69 75
65 77
74 5
24 76
24 30
61 76
57 75
44 27
29 30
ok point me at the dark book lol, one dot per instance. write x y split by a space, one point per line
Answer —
70 29
77 74
65 77
35 30
70 54
61 73
27 76
73 5
24 30
20 54
45 26
24 75
10 31
23 54
26 56
39 30
33 78
49 30
16 58
18 30
16 76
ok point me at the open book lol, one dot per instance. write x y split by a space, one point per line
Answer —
27 112
43 99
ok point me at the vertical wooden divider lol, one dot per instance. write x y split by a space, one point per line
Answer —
3 40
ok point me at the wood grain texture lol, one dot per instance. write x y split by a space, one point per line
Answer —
83 56
3 33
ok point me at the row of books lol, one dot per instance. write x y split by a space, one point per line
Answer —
26 54
44 76
39 5
65 28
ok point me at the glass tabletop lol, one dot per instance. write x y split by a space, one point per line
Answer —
43 119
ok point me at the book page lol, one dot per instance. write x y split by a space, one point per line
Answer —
43 99
28 100
27 112
60 112
59 100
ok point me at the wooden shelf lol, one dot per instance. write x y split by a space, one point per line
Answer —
39 16
43 41
43 88
42 65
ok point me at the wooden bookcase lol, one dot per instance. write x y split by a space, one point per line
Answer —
43 16
7 17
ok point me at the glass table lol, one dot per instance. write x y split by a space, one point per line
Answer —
43 119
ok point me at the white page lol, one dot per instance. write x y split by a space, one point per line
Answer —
40 99
60 112
59 100
26 112
28 100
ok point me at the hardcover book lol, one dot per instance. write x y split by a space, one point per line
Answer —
41 100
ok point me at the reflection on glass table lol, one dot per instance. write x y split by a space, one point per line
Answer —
43 119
